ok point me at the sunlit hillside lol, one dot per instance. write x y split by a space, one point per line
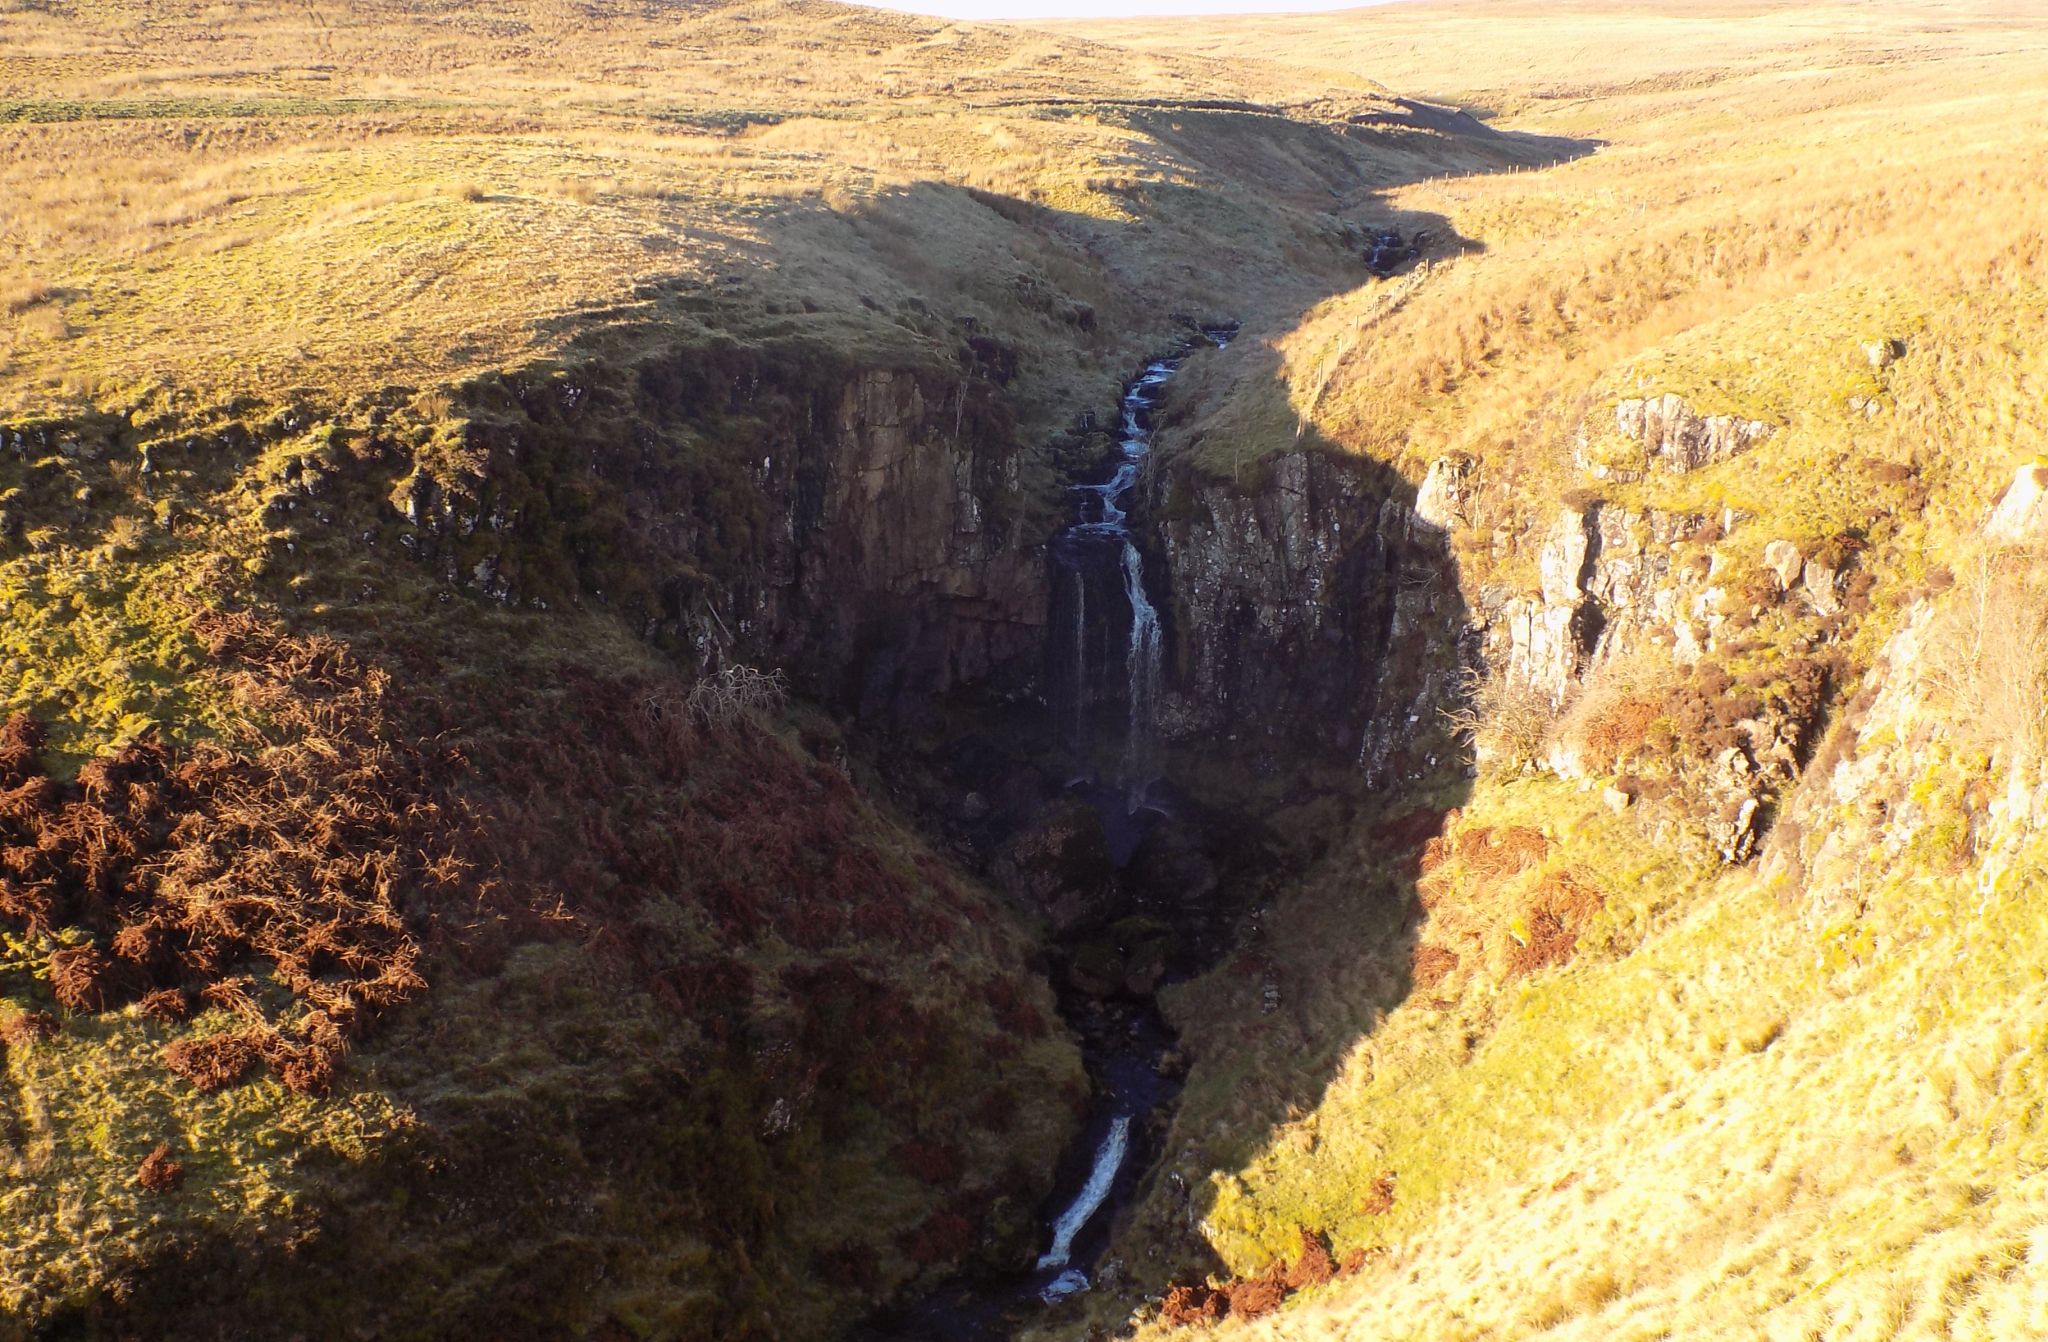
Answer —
345 198
1599 1084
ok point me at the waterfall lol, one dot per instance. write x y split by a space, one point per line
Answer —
1109 1159
1080 655
1142 660
1100 544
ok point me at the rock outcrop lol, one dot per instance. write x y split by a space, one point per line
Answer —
1611 583
1666 434
2022 512
1316 611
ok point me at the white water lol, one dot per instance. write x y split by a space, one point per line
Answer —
1110 518
1109 1158
1143 658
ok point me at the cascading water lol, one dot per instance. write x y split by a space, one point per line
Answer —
1109 1159
1107 651
1098 551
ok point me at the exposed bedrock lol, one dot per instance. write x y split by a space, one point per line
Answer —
1314 615
860 526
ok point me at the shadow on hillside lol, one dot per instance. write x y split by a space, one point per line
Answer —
1307 769
1302 777
1283 831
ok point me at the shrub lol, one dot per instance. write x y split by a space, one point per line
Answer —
944 1238
1506 721
738 691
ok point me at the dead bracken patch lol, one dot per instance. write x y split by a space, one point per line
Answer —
1559 909
214 1062
1497 852
1262 1292
166 1006
1200 1303
159 1173
1315 1267
24 1029
1253 1297
1432 965
81 978
193 873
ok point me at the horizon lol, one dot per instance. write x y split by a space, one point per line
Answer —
1018 11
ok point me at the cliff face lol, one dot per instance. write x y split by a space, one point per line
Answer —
1314 611
868 528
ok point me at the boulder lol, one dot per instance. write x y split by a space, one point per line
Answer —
1061 865
1172 869
1783 559
1823 585
2022 513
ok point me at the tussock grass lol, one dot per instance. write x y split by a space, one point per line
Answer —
390 193
1721 1104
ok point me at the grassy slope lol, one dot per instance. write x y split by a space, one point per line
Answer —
350 197
1741 1109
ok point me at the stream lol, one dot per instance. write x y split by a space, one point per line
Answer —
1105 659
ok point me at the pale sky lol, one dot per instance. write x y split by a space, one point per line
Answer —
1104 9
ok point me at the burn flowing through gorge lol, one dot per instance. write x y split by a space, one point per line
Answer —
1105 661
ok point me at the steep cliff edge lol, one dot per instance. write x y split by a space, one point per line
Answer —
1692 993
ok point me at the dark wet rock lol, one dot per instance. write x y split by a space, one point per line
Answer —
1061 865
1388 251
1146 965
1097 969
1172 869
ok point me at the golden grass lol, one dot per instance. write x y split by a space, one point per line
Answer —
238 200
1740 1110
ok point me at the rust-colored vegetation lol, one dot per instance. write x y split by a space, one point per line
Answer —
289 854
159 1173
1261 1293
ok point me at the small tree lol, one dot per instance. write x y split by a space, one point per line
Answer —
1506 720
720 700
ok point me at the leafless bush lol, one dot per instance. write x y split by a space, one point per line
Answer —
1507 721
1987 653
723 699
